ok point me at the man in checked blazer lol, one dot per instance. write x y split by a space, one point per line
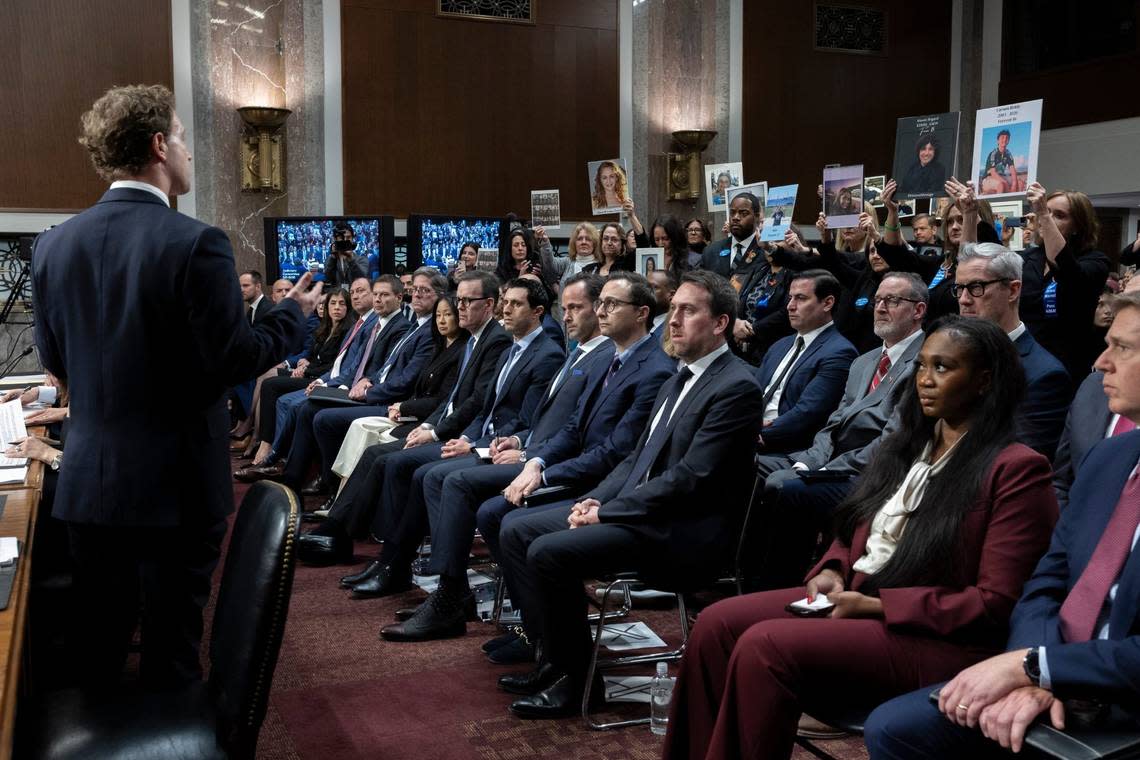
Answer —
795 507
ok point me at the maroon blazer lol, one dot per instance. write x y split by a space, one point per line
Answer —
1004 534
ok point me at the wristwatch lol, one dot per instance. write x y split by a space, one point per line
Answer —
55 463
522 455
1032 666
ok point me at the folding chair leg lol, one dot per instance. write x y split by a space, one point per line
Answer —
757 486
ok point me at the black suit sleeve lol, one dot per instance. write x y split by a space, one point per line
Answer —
232 350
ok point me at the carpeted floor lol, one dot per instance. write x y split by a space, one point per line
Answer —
340 692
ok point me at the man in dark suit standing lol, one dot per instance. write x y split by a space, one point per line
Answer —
129 293
803 375
738 255
1075 633
671 504
253 294
987 284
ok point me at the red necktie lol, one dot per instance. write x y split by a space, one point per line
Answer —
881 372
1123 425
1082 606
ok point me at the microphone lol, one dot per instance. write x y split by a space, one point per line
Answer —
16 361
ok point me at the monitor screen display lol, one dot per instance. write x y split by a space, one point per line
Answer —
304 244
441 237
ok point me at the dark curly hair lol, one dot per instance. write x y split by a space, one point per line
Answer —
117 131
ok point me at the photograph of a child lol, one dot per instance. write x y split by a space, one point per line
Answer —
1006 140
719 179
609 185
778 209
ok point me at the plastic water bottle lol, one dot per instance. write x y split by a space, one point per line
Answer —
660 695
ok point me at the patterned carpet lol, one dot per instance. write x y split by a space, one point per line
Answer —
341 693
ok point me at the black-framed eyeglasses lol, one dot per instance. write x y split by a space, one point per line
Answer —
892 301
977 289
466 302
609 305
423 291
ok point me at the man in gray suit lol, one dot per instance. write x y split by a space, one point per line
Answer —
802 488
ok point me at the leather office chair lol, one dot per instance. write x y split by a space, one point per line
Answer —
221 717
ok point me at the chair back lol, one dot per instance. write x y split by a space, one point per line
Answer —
249 618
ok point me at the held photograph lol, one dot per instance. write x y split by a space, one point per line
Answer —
609 185
719 179
650 260
545 208
843 195
759 189
926 152
1006 141
778 209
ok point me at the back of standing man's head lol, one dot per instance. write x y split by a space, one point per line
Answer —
118 129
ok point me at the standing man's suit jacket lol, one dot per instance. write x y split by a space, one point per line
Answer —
1106 669
812 388
699 481
139 312
609 421
1085 427
844 443
262 309
474 380
718 255
523 388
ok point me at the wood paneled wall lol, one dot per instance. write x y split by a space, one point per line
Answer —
56 58
1083 93
804 108
460 116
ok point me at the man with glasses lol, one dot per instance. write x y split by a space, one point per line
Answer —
801 505
987 284
354 506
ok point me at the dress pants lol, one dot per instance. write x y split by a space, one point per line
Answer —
301 450
547 564
285 421
911 728
751 668
356 508
453 492
166 573
273 388
402 501
330 426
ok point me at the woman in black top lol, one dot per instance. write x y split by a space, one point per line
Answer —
611 257
335 323
698 234
520 256
668 233
1063 277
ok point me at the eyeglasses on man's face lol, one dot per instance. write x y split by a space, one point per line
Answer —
610 305
892 301
977 289
465 302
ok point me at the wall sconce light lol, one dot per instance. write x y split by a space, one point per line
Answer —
261 145
684 169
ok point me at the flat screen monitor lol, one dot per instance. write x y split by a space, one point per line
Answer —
435 239
294 245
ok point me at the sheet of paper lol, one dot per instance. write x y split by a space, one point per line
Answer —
635 635
12 428
819 603
9 548
13 474
483 453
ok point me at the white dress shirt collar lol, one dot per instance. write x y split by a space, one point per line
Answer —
1017 332
131 184
898 349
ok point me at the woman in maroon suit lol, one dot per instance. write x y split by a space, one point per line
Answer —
930 555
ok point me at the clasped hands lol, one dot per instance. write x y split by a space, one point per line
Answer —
997 697
584 512
526 483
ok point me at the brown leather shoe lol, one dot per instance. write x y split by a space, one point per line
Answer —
239 444
261 472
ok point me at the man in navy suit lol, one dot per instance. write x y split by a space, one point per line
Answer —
386 333
803 375
395 379
253 294
1075 633
671 505
987 284
738 255
1088 423
664 286
128 295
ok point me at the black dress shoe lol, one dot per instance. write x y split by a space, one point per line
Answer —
405 613
316 487
442 615
561 699
385 581
490 645
313 549
529 683
518 651
373 567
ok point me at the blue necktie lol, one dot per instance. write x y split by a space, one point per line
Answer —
487 423
459 379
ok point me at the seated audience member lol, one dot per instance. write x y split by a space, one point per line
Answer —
697 235
671 506
930 554
1062 278
1088 422
610 259
386 334
736 256
924 229
798 509
361 301
343 265
358 503
392 382
966 220
521 381
803 374
664 286
987 284
451 498
669 235
1073 633
551 326
335 324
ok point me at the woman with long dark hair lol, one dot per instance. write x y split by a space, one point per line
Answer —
930 554
520 256
668 233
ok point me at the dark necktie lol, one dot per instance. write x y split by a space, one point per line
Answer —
489 424
615 366
1082 606
459 378
249 314
880 372
641 466
396 353
739 257
779 381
